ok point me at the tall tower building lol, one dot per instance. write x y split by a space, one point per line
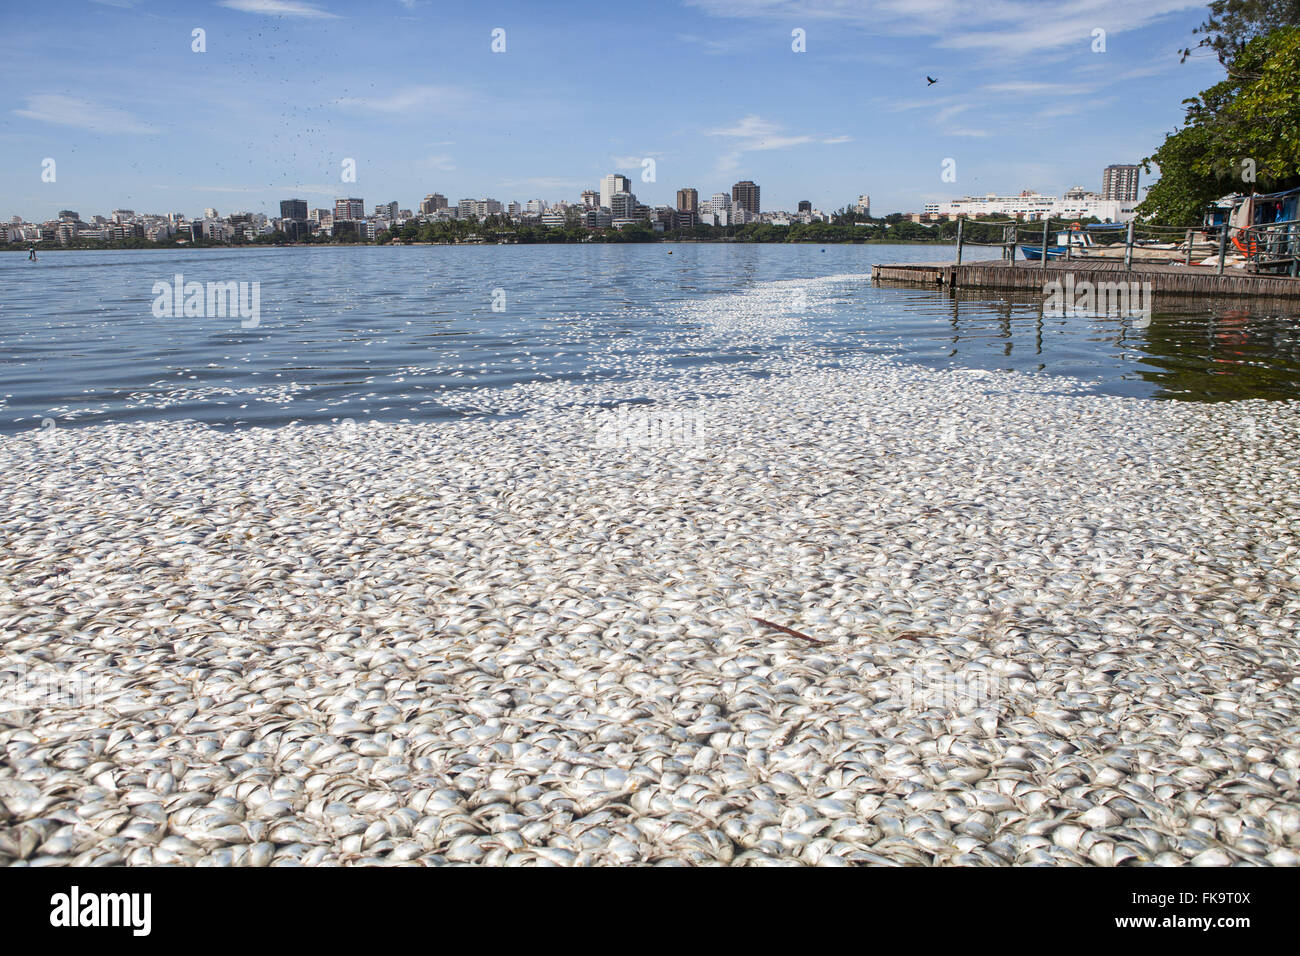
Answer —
293 209
345 209
623 205
805 205
688 200
611 184
745 194
1120 183
432 203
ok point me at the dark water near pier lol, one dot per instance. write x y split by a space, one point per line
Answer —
398 333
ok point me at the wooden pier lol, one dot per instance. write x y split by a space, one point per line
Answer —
1003 275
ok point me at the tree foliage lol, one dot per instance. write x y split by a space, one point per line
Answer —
1232 24
1240 135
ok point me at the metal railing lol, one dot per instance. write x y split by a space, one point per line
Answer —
1276 246
1272 246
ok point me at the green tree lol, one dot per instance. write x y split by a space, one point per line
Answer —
1232 24
1241 134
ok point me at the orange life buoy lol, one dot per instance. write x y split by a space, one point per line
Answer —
1074 226
1254 246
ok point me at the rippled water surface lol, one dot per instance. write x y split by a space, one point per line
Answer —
411 332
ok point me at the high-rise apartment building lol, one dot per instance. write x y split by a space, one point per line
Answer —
805 205
349 209
590 199
622 205
293 209
432 203
387 210
745 194
863 205
688 200
611 184
1120 183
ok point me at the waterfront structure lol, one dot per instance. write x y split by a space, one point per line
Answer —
745 194
1119 183
688 200
611 184
346 210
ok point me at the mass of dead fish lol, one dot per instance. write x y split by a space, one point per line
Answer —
1016 623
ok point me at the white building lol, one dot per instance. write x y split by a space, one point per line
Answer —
611 184
1076 204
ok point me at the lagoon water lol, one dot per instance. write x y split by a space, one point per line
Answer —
435 332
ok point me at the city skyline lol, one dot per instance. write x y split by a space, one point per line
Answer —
823 123
744 194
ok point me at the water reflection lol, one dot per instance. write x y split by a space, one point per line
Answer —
1194 349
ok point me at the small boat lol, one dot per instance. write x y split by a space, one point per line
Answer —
1036 252
1073 239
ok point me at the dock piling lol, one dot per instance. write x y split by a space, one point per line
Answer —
1128 247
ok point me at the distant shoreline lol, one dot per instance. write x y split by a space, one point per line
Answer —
382 245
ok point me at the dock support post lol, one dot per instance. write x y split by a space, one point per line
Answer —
959 225
1010 233
1069 236
1043 259
1188 260
1128 248
1223 246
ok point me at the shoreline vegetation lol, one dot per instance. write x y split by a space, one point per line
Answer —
893 230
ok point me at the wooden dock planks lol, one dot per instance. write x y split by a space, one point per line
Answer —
1030 277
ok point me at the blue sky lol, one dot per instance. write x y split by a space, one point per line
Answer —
710 89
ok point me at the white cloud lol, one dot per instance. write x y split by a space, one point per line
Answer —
82 114
441 162
280 8
549 182
755 134
408 99
1004 26
752 133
